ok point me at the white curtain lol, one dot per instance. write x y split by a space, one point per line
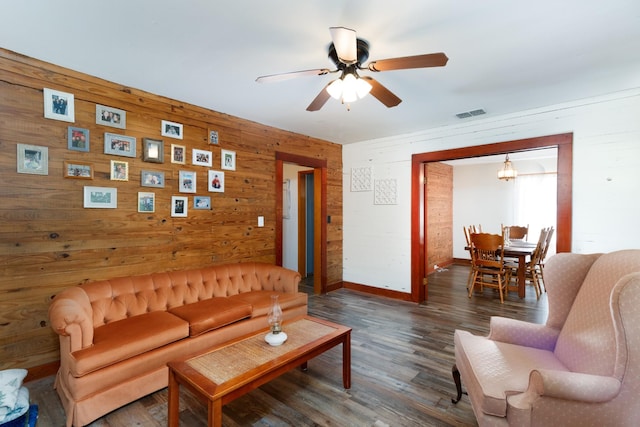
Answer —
536 204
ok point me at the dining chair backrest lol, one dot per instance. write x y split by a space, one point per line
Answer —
467 234
487 250
517 232
538 252
547 244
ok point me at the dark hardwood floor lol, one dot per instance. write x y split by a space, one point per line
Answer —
402 355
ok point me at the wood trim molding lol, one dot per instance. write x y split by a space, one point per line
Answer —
388 293
564 144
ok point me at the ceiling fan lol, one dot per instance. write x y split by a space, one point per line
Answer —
349 54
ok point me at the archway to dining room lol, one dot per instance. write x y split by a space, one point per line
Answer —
564 145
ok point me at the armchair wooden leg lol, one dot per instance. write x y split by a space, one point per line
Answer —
456 379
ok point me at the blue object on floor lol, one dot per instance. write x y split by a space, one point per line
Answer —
29 418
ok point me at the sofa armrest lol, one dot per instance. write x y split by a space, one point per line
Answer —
276 278
522 333
71 315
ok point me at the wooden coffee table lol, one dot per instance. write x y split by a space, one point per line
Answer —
228 371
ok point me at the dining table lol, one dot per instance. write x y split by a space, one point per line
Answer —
521 250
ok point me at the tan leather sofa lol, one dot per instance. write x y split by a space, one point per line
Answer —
116 336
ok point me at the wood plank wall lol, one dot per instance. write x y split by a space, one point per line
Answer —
48 241
439 195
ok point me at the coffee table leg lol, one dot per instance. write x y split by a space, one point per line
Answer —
215 413
346 361
304 367
174 400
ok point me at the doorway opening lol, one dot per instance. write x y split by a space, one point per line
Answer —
312 235
562 142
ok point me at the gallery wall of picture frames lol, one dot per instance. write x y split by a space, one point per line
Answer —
58 105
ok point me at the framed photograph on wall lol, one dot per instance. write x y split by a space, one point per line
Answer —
33 159
228 160
77 139
216 181
100 197
171 129
152 179
110 116
77 170
213 137
146 201
187 181
201 157
59 105
119 170
119 145
153 150
179 206
202 202
178 154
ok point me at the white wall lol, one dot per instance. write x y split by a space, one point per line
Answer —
606 181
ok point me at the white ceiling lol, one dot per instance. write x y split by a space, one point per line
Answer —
504 55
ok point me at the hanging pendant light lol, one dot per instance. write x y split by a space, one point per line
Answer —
507 172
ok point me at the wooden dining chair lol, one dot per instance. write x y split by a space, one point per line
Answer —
516 232
487 258
543 256
533 271
467 235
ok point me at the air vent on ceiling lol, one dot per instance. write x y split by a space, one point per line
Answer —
471 113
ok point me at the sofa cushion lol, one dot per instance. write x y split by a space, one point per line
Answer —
212 313
261 300
493 369
122 339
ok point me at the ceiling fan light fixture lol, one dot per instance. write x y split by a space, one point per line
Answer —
349 88
335 89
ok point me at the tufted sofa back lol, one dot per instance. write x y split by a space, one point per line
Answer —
123 297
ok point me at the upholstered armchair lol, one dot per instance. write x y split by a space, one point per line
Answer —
581 368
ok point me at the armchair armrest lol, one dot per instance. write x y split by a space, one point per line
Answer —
71 315
565 386
522 333
577 386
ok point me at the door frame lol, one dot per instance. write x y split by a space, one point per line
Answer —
564 144
319 213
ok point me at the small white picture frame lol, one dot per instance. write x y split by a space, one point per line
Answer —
171 129
179 206
187 181
59 105
228 160
202 157
216 181
100 197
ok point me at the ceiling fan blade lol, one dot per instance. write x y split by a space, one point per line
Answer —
418 61
344 40
383 94
319 100
286 76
